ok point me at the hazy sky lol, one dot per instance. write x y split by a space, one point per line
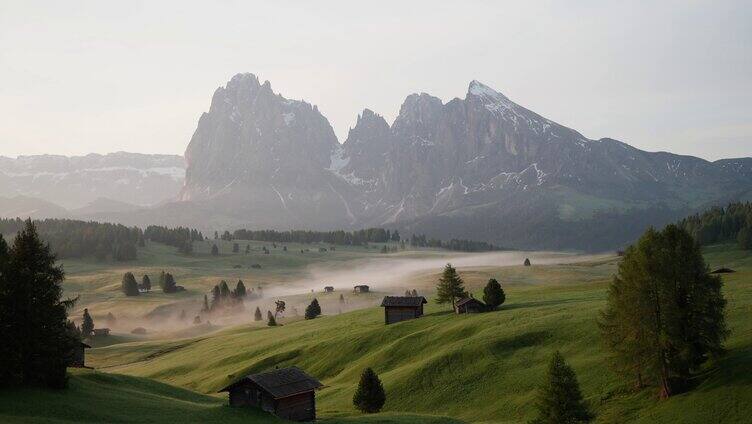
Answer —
102 76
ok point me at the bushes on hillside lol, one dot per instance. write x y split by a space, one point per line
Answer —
370 396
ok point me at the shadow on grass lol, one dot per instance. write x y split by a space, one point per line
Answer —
539 303
505 346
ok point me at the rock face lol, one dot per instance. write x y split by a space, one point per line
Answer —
263 157
481 167
73 182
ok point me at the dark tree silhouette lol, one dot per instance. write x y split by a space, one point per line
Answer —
370 396
560 399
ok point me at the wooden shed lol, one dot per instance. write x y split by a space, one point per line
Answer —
78 357
328 289
402 308
288 393
361 288
470 305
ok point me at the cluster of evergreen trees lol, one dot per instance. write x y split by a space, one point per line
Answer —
182 238
460 245
340 237
70 238
38 339
730 224
223 297
313 310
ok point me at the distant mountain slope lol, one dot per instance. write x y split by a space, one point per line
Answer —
481 167
30 207
72 182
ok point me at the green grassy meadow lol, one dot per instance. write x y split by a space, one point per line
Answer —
482 368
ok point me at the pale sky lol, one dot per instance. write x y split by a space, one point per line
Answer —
102 76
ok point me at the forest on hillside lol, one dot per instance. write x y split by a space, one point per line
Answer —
732 223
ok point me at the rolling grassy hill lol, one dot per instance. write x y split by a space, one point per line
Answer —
476 368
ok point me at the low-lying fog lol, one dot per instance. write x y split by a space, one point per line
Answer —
385 274
391 274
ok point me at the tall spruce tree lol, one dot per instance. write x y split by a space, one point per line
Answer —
240 291
370 396
560 400
257 316
665 313
129 284
493 294
450 286
87 324
270 320
34 322
214 250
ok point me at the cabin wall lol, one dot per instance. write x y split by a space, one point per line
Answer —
78 358
394 314
300 407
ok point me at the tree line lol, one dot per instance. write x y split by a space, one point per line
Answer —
339 237
70 238
180 237
460 245
732 223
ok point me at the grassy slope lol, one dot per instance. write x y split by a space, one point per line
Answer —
94 397
481 368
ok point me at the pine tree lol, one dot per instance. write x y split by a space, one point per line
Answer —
224 291
235 248
665 313
146 282
33 318
560 399
216 301
87 324
214 250
257 315
169 285
493 294
450 287
313 310
527 262
270 321
129 284
240 291
370 396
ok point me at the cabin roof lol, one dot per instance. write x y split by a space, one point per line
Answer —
85 345
403 301
467 300
282 382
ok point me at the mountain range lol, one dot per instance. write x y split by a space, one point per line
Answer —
480 167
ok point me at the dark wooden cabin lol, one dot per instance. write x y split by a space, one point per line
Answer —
402 308
78 358
470 305
328 289
362 288
288 393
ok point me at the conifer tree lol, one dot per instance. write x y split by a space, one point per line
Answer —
370 396
664 314
493 294
33 318
224 290
235 248
216 301
257 315
169 285
87 324
341 299
450 287
270 320
146 282
744 238
560 399
214 250
129 284
240 291
313 310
